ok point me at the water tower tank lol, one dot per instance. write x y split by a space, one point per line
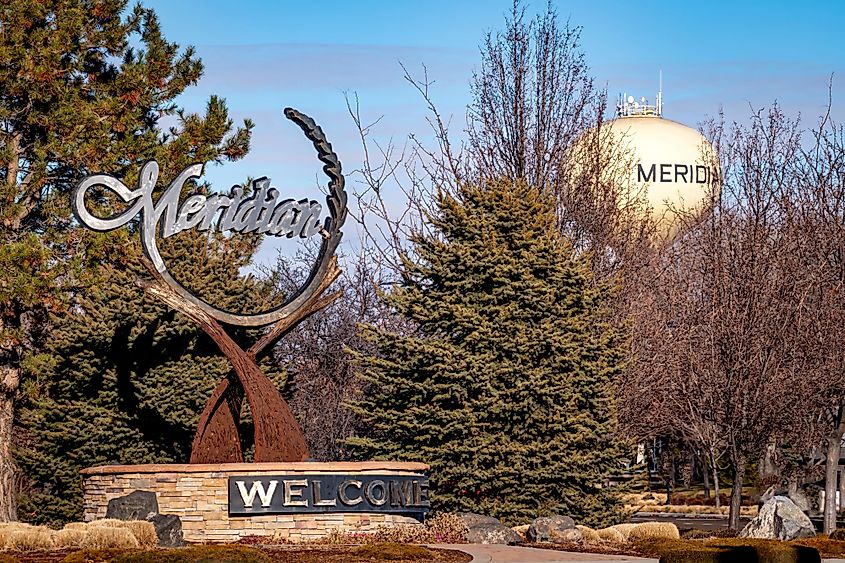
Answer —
671 167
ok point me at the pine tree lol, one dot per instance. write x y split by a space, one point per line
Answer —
84 85
127 377
505 385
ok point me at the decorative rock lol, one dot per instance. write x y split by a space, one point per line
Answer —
168 529
472 519
137 505
487 532
801 500
545 528
779 519
521 530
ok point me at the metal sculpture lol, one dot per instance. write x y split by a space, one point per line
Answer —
278 436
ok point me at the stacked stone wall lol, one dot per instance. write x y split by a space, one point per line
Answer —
198 495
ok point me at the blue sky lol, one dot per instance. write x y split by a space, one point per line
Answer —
263 56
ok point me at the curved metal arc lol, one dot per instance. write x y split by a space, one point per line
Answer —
336 200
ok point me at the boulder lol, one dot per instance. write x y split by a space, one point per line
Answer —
488 533
521 530
168 529
143 505
472 519
779 519
547 528
137 505
801 500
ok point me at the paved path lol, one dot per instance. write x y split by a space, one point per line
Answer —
514 554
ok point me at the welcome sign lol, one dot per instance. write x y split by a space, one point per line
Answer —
328 493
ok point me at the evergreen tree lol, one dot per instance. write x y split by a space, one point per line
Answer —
83 87
127 377
505 386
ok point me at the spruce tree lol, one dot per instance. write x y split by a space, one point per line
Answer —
84 85
505 384
126 377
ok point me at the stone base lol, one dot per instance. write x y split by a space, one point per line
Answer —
198 495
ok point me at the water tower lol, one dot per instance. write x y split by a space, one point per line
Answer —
672 168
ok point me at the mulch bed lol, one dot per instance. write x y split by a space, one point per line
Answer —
599 549
341 554
283 554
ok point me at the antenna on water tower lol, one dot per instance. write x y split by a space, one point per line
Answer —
660 95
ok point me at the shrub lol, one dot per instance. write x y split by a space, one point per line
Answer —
588 534
34 538
69 537
828 548
101 537
647 530
736 550
447 527
394 552
838 534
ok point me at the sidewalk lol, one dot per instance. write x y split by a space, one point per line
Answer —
482 553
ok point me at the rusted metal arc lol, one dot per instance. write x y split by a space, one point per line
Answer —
217 439
278 436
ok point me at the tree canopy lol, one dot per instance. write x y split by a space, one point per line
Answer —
505 384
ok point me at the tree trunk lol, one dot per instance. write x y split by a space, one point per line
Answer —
705 477
736 494
716 490
834 447
10 381
841 489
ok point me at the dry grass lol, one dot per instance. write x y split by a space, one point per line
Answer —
76 525
611 535
101 537
104 523
624 530
588 534
69 537
649 530
34 538
143 531
638 502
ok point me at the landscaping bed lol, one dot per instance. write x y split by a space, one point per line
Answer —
398 553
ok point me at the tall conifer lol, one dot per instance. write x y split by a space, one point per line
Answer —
126 376
84 87
506 384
